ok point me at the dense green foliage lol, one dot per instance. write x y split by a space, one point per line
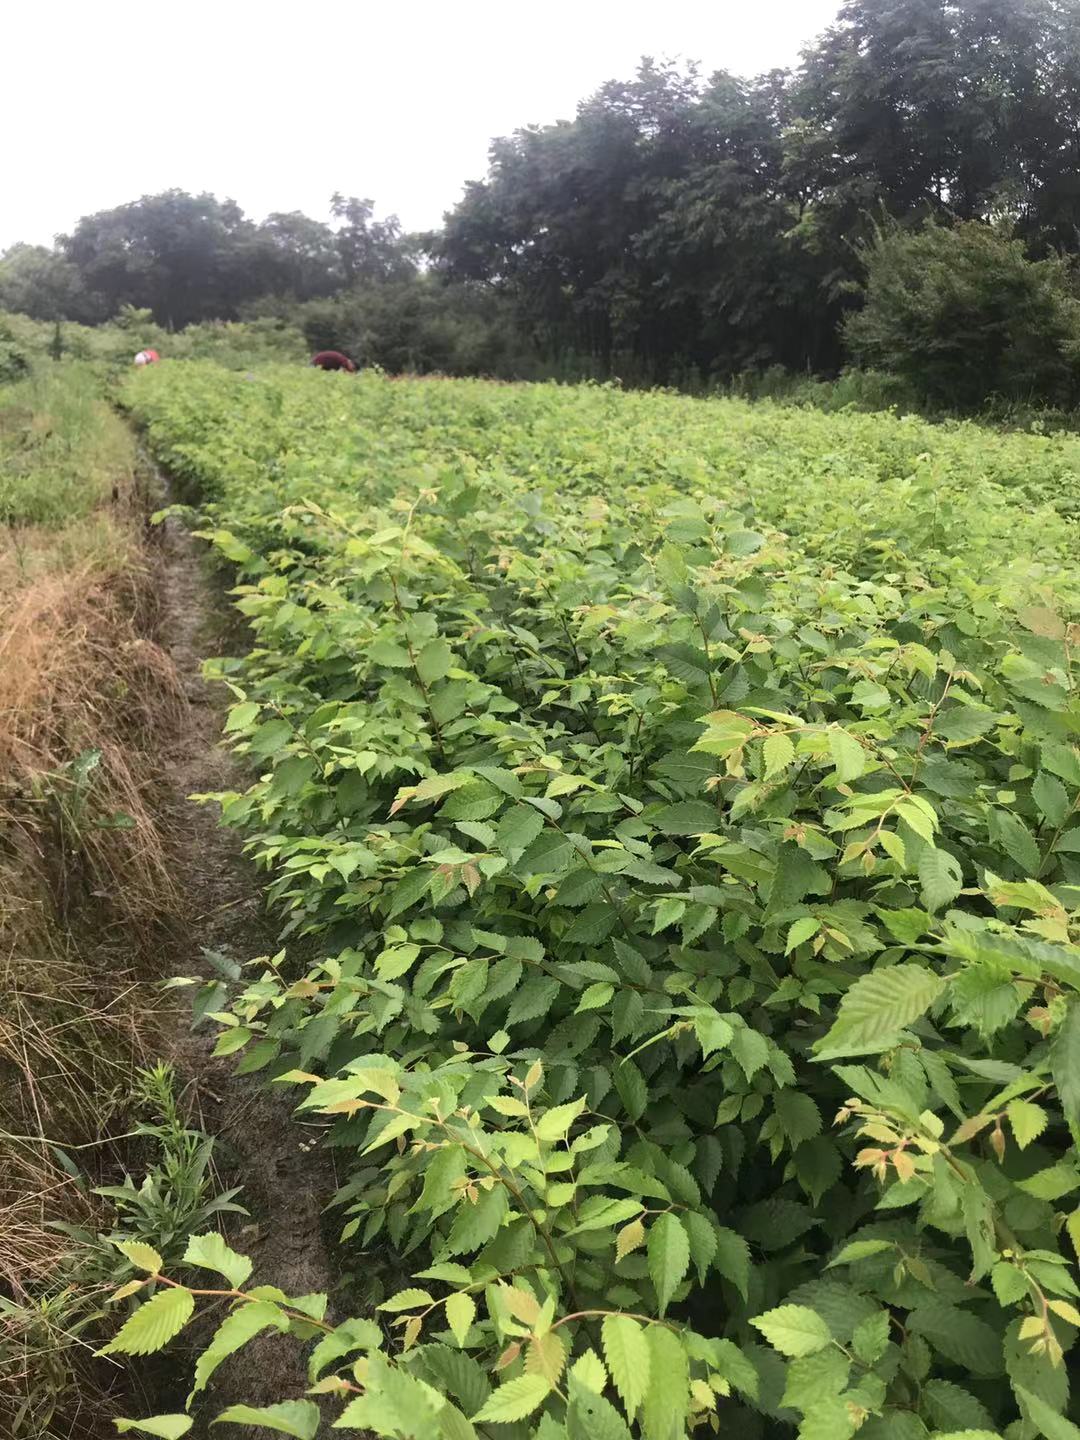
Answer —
680 229
675 805
960 313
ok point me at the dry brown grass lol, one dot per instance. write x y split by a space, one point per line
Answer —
86 894
79 678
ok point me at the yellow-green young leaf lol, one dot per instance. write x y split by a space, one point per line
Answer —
154 1324
894 847
460 1313
667 1401
629 1238
1072 1225
848 756
801 931
165 1427
545 1355
779 753
143 1257
131 1288
669 1257
521 1304
507 1105
627 1353
299 1418
877 1008
211 1253
514 1400
408 1299
588 1370
235 1331
1028 1121
794 1330
554 1124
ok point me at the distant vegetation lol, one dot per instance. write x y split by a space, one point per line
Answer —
683 230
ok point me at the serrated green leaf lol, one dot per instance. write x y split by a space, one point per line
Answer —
165 1427
1053 1182
668 1249
1065 1067
475 1224
299 1418
555 1123
815 1378
627 1353
433 661
959 1335
154 1323
1051 798
1028 1121
952 1407
1008 1282
350 1335
514 1400
732 1259
143 1257
779 753
1049 1423
453 1425
703 1241
877 1008
663 1414
460 1314
940 877
848 756
589 1417
871 1338
633 1092
411 1298
794 1330
517 829
235 1331
211 1253
801 931
689 817
859 1250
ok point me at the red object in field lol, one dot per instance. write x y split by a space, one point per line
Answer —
147 357
333 360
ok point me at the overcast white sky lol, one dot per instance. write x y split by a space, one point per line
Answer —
102 103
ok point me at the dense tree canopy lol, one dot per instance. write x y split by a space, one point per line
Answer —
679 226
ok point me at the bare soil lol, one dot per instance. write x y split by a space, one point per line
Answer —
259 1145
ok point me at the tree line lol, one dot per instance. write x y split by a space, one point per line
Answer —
680 227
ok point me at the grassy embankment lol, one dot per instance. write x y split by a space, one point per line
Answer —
83 880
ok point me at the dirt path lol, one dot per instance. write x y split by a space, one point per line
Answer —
258 1144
